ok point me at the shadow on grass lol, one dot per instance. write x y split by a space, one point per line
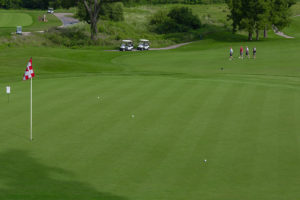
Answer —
24 178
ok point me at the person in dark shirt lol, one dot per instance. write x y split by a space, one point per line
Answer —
254 52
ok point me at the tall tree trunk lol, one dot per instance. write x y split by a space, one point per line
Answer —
250 36
94 29
93 9
257 34
265 32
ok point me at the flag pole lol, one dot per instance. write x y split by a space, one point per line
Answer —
31 109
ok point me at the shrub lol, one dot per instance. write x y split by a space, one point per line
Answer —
112 11
158 21
117 12
68 37
179 19
184 17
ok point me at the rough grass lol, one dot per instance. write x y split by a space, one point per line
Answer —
135 25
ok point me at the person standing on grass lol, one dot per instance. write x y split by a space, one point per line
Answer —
230 53
241 52
254 52
247 52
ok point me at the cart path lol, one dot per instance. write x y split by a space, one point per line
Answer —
163 48
281 33
277 32
171 47
66 19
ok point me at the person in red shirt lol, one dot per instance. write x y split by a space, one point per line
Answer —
241 53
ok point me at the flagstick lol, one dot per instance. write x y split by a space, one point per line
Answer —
31 109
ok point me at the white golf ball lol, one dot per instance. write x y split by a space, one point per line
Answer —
205 160
132 116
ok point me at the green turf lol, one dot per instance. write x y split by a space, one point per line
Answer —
244 120
15 19
29 19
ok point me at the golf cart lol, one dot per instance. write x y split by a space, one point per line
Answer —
50 10
19 30
127 45
143 45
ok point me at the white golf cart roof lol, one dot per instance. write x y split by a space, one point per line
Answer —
144 40
126 41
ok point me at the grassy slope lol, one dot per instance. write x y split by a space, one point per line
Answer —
136 19
244 120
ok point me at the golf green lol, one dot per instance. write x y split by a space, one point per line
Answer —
9 19
139 125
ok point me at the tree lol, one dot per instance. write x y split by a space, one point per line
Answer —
178 19
107 10
261 15
68 3
93 8
280 13
242 13
256 15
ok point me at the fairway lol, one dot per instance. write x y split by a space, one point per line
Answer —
139 125
246 131
14 19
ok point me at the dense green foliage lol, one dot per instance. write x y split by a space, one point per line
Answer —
178 19
108 11
256 15
112 11
70 37
37 4
139 2
43 4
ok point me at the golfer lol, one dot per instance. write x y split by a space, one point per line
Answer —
254 52
231 53
247 52
241 52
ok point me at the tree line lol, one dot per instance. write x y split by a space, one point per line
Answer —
254 16
44 4
37 4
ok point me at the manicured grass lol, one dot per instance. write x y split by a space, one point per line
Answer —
28 18
15 19
138 125
243 120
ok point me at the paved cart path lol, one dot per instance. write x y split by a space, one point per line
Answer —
277 32
172 47
66 19
163 48
281 33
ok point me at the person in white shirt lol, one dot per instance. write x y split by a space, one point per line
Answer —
231 53
247 53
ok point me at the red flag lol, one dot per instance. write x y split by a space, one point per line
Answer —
29 71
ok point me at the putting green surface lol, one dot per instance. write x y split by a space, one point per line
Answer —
15 19
139 125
